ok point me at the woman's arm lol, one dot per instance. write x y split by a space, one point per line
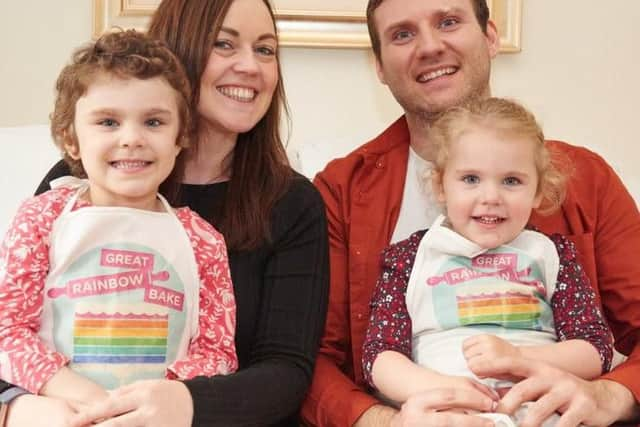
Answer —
293 302
59 169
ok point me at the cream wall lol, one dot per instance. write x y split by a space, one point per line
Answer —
578 71
36 40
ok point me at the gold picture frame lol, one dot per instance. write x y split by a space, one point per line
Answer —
308 23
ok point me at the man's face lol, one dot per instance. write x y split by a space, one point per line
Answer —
433 53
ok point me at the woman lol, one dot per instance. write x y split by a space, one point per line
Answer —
238 178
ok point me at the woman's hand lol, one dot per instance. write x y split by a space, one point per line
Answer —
549 389
151 403
445 407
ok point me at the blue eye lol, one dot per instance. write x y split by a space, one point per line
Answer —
470 179
153 122
448 23
511 181
108 123
265 50
222 44
401 35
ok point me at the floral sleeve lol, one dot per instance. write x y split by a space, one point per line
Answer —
25 360
576 310
389 323
212 351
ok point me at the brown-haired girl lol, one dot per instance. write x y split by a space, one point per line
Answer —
103 283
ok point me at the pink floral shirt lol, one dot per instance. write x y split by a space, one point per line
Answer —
24 264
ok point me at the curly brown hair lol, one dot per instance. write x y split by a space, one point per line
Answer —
123 54
506 116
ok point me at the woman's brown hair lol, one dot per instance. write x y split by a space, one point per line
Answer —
260 169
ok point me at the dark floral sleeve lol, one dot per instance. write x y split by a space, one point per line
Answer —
389 323
576 310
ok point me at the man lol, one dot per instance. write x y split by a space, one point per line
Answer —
434 54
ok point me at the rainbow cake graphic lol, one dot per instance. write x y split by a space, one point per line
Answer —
504 303
126 341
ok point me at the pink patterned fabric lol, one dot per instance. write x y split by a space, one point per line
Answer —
24 264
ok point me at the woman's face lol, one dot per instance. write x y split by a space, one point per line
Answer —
241 74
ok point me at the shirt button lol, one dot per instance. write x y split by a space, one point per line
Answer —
359 316
357 252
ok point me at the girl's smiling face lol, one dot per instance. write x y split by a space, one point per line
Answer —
489 185
126 132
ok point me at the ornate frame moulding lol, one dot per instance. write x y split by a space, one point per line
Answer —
307 23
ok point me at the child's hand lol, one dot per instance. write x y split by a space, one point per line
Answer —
31 410
484 347
73 388
465 383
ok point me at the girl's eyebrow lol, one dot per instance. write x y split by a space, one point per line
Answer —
114 111
101 111
158 110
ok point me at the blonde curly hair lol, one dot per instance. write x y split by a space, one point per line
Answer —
505 116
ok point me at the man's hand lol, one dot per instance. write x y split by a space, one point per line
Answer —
445 407
592 403
376 416
435 407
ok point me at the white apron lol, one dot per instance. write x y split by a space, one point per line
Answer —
458 289
122 295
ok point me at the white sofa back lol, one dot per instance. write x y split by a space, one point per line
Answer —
27 154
